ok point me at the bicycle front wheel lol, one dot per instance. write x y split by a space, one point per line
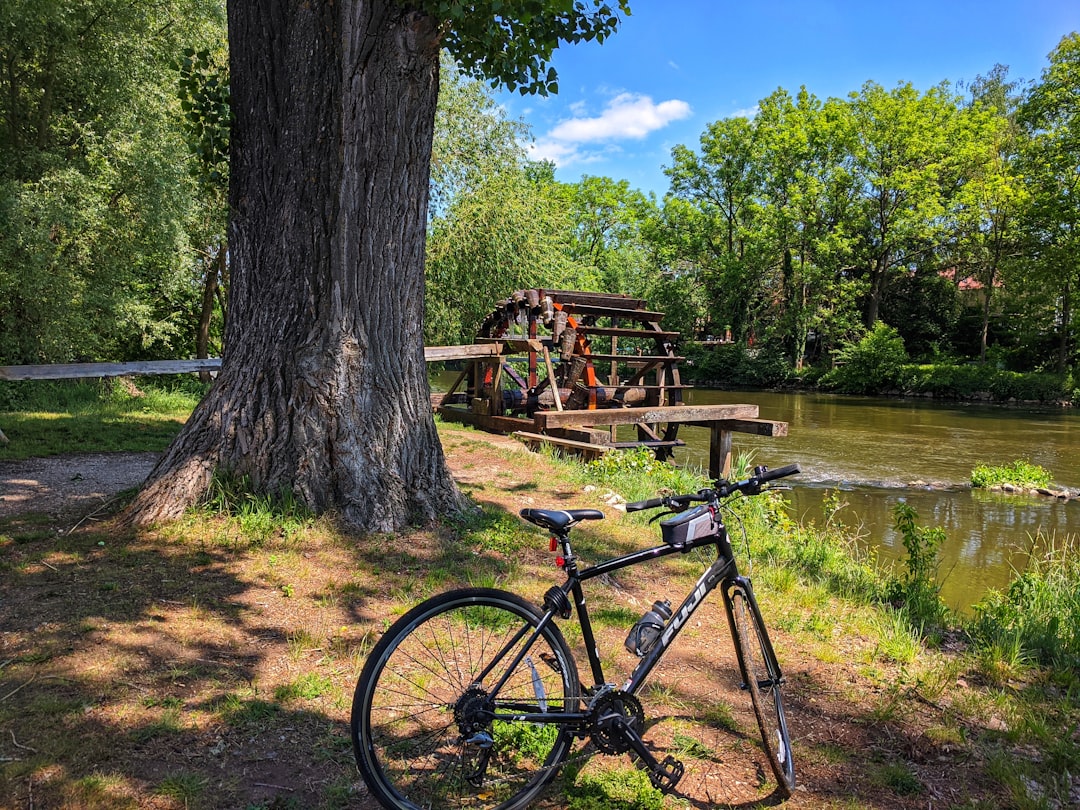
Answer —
761 675
421 716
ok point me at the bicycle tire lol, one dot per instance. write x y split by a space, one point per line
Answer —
762 678
420 680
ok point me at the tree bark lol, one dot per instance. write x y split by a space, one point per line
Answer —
323 389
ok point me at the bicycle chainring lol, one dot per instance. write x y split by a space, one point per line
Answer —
615 703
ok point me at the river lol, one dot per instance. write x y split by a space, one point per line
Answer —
872 450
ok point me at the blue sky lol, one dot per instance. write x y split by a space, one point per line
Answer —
676 65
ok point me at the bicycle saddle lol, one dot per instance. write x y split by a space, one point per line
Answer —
559 520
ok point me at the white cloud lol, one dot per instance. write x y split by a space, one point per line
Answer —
628 116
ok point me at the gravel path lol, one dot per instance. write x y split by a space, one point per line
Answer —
69 483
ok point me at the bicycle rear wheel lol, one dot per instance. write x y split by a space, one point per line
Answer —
762 677
418 717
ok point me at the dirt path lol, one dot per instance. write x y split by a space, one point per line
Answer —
69 484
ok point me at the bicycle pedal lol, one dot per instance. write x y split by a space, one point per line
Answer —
666 775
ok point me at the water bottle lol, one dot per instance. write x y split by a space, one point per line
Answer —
644 635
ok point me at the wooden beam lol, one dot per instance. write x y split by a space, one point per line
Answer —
440 354
719 452
757 427
584 448
71 371
493 424
509 345
688 414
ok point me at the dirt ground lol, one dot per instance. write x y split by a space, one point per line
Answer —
69 484
162 668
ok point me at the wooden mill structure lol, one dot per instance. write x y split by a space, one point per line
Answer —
568 367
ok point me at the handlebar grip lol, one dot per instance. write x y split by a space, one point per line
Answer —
779 472
651 503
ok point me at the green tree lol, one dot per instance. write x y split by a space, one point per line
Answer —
94 190
807 214
204 100
715 244
1051 164
507 233
607 217
900 160
323 389
991 198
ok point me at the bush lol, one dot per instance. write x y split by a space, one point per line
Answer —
736 365
871 365
966 381
917 593
1040 611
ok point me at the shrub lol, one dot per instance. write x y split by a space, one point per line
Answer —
1040 611
917 592
735 365
873 364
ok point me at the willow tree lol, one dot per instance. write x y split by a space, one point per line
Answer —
323 389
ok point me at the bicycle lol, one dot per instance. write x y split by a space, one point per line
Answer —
472 698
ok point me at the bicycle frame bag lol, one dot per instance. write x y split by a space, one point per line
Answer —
689 525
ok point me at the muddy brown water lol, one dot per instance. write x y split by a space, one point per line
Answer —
875 453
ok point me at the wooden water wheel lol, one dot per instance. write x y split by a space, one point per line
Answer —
581 351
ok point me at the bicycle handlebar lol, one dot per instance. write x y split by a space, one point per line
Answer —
722 489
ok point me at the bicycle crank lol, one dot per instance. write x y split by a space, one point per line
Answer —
618 723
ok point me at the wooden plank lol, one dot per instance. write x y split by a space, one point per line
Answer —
635 358
612 312
513 344
594 298
690 414
72 371
625 331
440 354
757 427
650 443
584 448
494 424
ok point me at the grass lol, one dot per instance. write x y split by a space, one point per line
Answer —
1021 474
53 418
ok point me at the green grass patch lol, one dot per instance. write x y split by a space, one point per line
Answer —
1020 473
42 418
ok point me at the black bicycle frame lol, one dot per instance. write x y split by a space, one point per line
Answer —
720 571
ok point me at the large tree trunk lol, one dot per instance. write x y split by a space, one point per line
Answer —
323 389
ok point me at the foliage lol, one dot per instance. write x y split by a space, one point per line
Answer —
637 475
513 45
873 364
1039 612
618 789
1020 473
917 592
95 193
732 364
948 381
